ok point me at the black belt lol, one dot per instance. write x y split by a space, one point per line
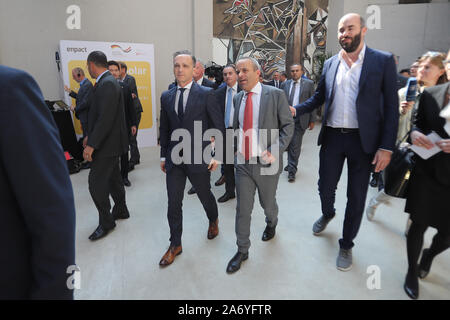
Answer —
344 130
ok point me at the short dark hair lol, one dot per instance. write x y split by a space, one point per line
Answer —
404 70
98 58
113 63
297 64
284 74
230 65
123 65
185 52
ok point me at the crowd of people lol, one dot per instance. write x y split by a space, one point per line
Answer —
245 124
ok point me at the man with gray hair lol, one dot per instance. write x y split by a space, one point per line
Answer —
265 125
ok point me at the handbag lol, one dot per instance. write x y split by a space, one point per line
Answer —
397 173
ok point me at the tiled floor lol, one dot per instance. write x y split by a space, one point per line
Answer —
294 265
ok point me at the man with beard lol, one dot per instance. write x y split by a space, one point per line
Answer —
358 87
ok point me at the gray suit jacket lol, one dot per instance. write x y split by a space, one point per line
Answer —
274 113
306 91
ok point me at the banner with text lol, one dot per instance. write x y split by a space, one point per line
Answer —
139 58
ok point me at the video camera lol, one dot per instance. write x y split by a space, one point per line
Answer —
214 70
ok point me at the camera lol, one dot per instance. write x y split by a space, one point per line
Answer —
214 70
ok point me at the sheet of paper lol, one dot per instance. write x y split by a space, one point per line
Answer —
427 153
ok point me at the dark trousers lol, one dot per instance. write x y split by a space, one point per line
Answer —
294 149
124 163
336 148
176 183
135 156
104 180
230 184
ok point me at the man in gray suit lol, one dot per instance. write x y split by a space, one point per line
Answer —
265 127
298 90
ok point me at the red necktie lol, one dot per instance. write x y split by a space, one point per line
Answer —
248 125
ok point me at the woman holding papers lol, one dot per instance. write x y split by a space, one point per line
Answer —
429 188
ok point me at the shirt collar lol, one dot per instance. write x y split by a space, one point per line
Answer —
99 77
233 87
188 86
82 81
257 89
360 56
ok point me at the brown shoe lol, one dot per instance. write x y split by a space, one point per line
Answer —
213 229
221 181
170 255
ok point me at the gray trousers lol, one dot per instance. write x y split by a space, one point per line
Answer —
135 157
248 180
295 148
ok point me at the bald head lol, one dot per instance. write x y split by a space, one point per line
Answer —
351 32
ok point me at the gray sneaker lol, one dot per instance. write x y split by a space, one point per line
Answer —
321 224
344 260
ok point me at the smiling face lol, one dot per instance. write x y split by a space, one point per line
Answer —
183 69
350 33
248 74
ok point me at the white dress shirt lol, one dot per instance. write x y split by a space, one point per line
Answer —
234 92
296 99
256 100
346 88
200 81
185 96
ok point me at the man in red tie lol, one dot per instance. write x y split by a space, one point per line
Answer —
265 125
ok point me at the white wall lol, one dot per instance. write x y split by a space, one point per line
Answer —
30 31
408 30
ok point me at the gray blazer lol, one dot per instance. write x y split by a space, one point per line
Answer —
274 113
306 91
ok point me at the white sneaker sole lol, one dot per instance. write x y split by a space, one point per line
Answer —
344 269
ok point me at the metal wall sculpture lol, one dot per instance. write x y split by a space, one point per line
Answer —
276 33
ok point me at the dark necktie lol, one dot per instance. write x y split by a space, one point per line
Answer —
180 104
292 94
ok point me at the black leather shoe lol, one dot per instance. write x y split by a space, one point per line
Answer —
130 167
126 182
192 191
226 197
85 165
235 263
425 264
221 181
119 214
268 233
291 177
100 232
411 286
286 168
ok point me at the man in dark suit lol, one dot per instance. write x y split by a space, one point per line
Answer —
265 128
130 118
107 140
225 97
81 98
182 108
358 87
275 82
199 78
135 157
37 210
298 90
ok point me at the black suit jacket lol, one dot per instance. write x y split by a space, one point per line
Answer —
131 81
107 132
272 83
82 102
129 108
37 210
209 83
202 107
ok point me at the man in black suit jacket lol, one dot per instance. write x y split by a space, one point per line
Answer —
135 157
107 140
81 98
225 97
182 108
130 118
275 82
199 72
37 210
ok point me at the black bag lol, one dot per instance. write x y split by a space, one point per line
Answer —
398 172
